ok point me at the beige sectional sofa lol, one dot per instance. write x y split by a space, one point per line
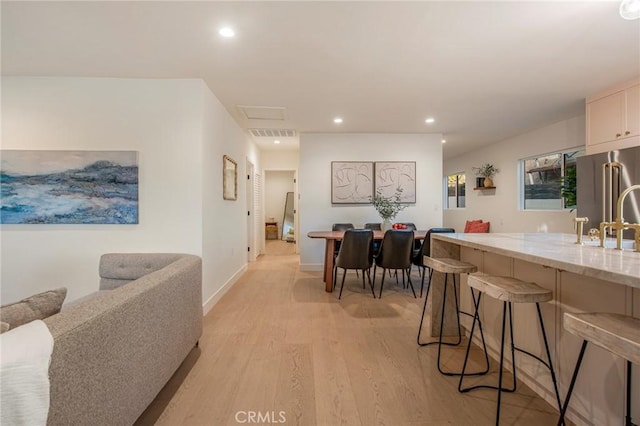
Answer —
114 352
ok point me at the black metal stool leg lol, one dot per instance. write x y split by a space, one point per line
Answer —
424 309
546 346
504 317
476 319
513 346
628 421
573 382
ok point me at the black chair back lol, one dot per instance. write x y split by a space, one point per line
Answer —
356 250
425 249
372 226
342 226
396 249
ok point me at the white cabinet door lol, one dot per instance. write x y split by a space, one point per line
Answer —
632 127
606 118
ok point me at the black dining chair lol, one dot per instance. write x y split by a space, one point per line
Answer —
425 250
336 247
356 252
374 227
340 227
412 227
395 253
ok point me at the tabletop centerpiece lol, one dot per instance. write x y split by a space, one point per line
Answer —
387 207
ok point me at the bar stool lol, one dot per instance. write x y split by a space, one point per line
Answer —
619 334
454 267
509 290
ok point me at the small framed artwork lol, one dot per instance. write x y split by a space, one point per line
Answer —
391 175
351 182
229 178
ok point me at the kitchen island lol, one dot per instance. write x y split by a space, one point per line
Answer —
583 278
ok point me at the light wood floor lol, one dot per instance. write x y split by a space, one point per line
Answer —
278 342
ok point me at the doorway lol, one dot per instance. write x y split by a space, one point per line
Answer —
279 206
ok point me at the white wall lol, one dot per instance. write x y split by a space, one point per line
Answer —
500 206
224 222
316 211
276 186
166 121
280 160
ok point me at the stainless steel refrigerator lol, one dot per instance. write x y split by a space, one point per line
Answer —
600 180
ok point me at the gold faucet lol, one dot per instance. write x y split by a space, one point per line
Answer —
579 225
619 224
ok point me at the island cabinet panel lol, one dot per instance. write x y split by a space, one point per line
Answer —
598 397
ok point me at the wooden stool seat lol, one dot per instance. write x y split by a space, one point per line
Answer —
619 334
449 266
509 289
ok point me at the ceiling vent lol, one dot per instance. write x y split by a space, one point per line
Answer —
263 112
273 133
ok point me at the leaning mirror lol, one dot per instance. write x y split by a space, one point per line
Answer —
288 219
229 178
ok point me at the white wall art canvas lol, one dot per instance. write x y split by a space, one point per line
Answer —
391 175
351 182
68 187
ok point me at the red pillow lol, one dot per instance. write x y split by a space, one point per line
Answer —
470 223
479 228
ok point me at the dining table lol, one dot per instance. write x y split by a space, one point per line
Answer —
331 237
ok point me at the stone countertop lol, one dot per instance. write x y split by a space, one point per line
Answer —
557 251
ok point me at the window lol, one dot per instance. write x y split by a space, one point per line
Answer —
455 191
543 179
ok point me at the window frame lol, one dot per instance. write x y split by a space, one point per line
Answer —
457 195
578 151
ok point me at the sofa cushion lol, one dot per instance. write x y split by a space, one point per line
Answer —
477 228
4 326
471 223
39 306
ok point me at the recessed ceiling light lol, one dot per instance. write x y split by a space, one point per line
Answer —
276 142
337 120
226 32
630 9
430 120
443 141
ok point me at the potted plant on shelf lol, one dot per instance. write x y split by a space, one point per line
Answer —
487 171
387 207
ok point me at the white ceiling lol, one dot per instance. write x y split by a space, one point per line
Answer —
485 70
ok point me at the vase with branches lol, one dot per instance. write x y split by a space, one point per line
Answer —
388 207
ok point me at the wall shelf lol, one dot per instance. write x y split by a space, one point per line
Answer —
482 188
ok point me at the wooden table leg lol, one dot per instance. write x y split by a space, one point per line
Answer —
328 264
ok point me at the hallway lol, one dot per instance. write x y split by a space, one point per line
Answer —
279 345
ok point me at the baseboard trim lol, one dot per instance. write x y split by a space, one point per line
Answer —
215 298
312 267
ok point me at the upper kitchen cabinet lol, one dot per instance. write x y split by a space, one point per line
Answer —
613 118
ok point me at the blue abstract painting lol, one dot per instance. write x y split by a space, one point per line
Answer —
68 187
